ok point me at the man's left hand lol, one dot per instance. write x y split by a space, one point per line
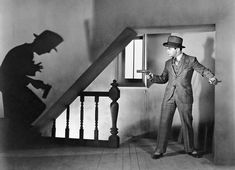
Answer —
213 81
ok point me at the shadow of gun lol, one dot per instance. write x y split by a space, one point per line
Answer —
46 91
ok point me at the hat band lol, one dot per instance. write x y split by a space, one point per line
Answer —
172 44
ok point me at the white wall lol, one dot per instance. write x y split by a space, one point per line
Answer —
113 16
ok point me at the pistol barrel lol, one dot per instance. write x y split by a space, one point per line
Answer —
143 71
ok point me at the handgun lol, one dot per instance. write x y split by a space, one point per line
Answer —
144 71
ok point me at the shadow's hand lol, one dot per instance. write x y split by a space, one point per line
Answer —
149 75
38 67
38 84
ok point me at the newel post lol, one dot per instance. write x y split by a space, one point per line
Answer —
114 94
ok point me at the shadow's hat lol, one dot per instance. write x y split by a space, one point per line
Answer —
50 38
174 41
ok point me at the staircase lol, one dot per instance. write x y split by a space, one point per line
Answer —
84 81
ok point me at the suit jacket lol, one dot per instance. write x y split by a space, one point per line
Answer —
180 83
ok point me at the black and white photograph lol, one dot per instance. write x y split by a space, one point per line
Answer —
117 84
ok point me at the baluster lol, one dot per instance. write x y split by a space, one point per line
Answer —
114 94
81 116
53 130
67 122
96 132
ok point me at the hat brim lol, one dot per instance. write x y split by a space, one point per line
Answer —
174 45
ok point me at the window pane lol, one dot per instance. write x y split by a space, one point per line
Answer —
138 58
129 61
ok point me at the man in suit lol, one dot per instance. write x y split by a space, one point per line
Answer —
178 73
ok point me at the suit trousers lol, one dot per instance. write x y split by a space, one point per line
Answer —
167 112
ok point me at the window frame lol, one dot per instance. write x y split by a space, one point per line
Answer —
120 68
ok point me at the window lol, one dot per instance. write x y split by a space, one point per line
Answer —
131 59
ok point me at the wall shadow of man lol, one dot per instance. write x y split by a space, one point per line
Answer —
21 105
206 103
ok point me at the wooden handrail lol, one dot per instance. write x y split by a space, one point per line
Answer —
94 93
86 78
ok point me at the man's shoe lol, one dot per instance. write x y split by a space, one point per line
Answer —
157 155
195 154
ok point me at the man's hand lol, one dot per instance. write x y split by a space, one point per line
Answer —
214 81
149 75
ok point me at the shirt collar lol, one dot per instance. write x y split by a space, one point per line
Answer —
179 57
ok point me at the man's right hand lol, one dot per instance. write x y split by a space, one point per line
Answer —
149 75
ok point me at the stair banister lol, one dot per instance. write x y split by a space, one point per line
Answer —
86 78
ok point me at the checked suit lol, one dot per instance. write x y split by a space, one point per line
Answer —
178 94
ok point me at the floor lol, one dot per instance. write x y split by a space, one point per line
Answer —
133 155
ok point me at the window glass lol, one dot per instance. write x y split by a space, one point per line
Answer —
130 60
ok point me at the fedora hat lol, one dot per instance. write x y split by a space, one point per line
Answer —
50 38
174 41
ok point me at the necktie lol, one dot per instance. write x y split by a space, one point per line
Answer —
176 62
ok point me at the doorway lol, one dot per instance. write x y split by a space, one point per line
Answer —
199 42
